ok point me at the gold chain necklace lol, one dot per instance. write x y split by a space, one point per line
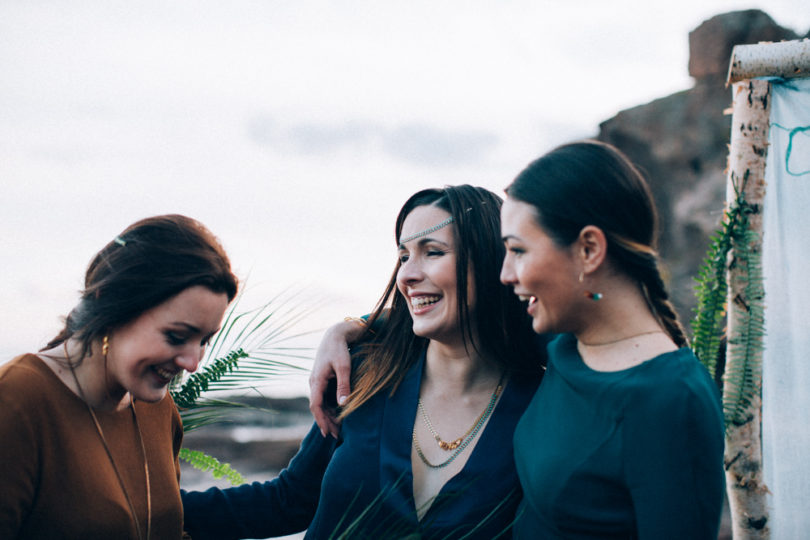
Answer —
462 442
621 339
112 460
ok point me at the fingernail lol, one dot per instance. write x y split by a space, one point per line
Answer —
323 433
342 400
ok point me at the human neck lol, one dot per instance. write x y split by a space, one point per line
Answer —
92 379
457 370
622 312
619 330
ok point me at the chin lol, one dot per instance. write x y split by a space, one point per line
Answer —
539 327
152 395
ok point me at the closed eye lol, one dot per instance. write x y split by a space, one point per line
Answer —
174 339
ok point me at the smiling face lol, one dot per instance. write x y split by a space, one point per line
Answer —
146 353
427 275
539 270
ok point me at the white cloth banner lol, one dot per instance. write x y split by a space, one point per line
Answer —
786 269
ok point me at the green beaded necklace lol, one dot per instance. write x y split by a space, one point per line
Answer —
460 444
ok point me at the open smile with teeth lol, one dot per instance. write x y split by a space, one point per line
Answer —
527 298
424 301
163 373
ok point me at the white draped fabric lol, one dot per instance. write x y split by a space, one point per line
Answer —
786 268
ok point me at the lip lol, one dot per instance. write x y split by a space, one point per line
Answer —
164 375
420 309
530 299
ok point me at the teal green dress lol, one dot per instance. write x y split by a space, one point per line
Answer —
636 453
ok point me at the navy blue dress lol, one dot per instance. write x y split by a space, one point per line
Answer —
362 484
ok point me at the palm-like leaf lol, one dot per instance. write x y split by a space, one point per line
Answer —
251 347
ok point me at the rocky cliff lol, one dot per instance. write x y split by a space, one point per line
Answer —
680 142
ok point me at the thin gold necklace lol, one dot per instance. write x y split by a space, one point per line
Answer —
461 443
620 339
112 460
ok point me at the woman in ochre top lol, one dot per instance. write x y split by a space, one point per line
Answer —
90 436
425 446
624 438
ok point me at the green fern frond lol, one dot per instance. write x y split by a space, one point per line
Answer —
197 383
203 462
711 291
264 335
251 347
742 378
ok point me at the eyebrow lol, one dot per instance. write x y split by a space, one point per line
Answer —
425 240
188 326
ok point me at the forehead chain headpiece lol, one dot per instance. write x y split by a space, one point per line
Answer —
427 231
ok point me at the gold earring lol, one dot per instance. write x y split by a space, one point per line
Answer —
105 346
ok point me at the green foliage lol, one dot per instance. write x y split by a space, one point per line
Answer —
203 462
198 382
744 366
252 346
741 381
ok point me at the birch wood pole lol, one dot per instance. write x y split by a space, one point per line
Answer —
746 171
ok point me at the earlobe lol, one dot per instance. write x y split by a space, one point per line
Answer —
592 247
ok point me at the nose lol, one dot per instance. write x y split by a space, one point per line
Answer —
508 271
410 271
189 359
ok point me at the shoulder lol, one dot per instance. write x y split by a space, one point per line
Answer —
29 395
676 376
26 377
673 393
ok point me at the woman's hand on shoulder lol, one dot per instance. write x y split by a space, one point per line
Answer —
332 365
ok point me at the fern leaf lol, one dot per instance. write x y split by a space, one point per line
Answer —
203 462
198 382
745 365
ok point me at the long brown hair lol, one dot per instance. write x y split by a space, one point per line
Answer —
593 183
148 263
497 327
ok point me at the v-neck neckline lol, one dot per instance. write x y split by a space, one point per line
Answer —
398 442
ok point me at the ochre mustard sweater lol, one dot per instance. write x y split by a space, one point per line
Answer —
57 480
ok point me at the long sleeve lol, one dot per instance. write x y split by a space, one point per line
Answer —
19 455
673 449
278 507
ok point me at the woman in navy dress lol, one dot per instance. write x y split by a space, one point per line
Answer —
425 443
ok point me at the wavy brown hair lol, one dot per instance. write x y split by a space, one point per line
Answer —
496 328
148 263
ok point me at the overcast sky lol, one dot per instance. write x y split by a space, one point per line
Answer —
295 129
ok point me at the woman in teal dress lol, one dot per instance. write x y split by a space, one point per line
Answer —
624 438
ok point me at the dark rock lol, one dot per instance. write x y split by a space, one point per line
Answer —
710 43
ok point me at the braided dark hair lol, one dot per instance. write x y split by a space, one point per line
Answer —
593 183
